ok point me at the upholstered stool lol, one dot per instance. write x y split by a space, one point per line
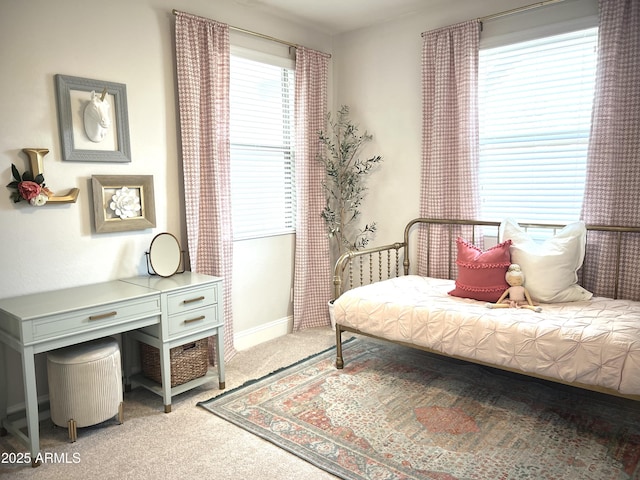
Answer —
85 384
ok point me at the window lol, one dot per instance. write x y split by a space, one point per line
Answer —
535 101
262 148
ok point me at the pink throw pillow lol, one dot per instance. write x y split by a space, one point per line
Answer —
481 273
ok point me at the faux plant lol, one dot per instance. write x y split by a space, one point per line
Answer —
344 183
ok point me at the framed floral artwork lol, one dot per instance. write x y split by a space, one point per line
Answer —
123 202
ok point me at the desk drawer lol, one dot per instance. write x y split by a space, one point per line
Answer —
95 317
192 299
193 320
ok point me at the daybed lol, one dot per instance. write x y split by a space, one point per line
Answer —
587 341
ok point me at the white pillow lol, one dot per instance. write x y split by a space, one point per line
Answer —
550 267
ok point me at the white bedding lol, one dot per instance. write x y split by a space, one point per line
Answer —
594 342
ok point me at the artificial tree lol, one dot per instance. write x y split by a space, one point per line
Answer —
344 182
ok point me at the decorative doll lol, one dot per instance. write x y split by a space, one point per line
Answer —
516 296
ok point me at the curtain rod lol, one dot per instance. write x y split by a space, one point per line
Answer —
518 10
260 35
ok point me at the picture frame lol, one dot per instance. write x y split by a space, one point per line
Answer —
123 202
73 94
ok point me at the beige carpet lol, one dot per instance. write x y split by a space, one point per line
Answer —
187 443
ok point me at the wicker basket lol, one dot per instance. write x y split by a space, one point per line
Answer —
188 362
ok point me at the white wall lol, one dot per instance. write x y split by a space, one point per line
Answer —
128 42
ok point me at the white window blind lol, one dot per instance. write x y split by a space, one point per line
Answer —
262 148
535 101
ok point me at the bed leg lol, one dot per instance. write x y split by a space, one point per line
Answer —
339 360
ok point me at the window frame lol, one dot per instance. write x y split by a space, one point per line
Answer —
289 208
488 167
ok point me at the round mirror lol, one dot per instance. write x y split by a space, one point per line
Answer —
165 254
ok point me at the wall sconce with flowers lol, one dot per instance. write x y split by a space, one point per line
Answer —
30 185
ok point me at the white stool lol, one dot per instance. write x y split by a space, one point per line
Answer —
85 384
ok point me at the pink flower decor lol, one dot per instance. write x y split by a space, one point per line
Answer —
28 187
29 190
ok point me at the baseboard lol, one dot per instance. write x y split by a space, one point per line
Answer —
263 333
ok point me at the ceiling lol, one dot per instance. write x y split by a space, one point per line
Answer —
338 16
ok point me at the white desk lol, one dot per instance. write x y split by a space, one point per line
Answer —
41 322
191 306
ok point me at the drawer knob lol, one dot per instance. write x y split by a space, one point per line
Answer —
102 316
197 319
191 300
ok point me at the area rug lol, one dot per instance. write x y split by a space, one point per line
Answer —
397 413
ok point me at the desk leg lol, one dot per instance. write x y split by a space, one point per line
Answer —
4 390
165 375
31 402
126 361
220 357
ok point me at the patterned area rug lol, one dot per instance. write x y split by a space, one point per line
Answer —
398 413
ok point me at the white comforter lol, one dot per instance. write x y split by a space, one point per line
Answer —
595 342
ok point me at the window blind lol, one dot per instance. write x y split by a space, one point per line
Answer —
535 101
262 148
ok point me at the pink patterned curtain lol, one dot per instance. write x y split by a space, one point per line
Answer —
450 138
312 274
613 162
202 64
